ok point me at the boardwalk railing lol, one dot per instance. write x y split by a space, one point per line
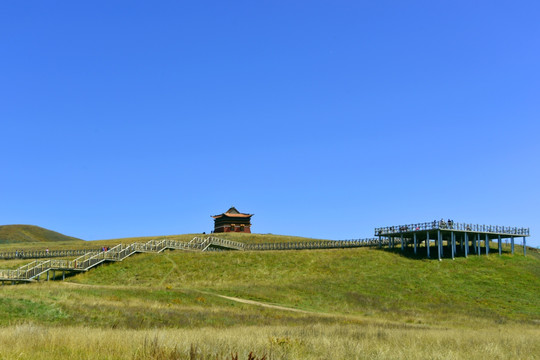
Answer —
36 254
91 259
320 244
205 243
436 225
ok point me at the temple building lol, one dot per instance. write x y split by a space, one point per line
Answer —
232 221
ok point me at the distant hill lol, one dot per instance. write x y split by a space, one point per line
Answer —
10 234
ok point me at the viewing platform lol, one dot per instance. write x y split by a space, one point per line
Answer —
468 236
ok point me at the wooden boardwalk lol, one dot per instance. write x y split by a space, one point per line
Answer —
469 237
49 268
40 254
35 269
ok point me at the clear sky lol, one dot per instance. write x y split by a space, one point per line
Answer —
323 118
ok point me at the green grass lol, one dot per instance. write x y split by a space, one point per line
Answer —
17 234
240 237
377 303
366 282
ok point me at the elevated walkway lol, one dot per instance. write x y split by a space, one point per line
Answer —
467 235
35 269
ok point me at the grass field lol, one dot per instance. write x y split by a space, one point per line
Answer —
350 304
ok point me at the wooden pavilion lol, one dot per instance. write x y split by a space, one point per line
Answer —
232 221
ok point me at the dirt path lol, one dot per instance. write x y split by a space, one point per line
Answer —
230 298
259 303
174 267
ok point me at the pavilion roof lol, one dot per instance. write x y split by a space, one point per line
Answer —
232 212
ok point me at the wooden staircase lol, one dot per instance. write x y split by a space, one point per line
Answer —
35 269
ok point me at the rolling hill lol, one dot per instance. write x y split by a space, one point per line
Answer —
10 234
309 304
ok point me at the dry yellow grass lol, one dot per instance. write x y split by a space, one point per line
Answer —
276 342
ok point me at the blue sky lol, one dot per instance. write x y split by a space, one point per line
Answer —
323 118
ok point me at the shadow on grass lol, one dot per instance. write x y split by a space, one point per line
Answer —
421 252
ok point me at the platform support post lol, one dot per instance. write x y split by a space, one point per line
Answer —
48 276
427 244
487 244
439 244
466 236
478 244
524 247
453 244
461 243
402 246
380 241
63 275
500 245
512 240
414 243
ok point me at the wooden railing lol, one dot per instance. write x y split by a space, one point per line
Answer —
91 259
319 244
450 225
40 254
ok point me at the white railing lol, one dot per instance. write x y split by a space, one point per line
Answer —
451 225
118 253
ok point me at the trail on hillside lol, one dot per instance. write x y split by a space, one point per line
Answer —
173 268
356 318
231 298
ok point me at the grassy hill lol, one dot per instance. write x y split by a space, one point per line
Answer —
378 303
366 282
240 237
11 234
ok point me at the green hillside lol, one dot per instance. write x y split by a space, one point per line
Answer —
10 234
366 282
315 304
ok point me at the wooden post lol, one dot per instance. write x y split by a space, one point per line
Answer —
487 244
48 275
500 245
524 247
63 275
478 244
414 243
452 244
427 243
512 240
439 244
442 243
380 241
466 236
402 246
